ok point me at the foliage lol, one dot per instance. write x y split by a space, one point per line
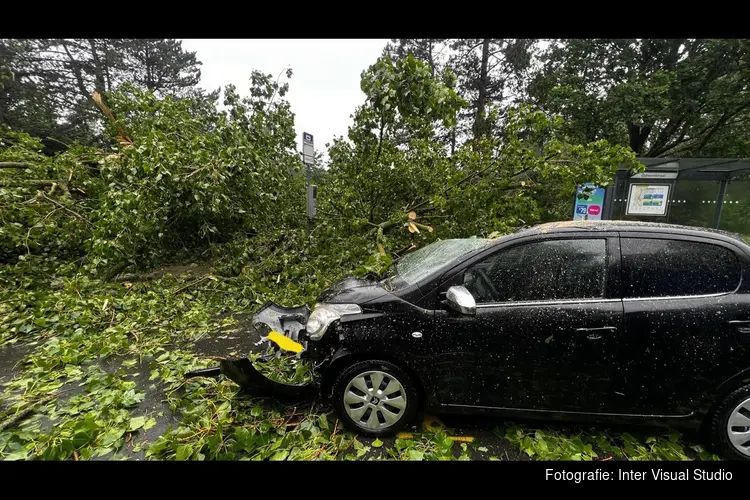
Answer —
392 167
47 84
662 97
490 73
45 203
196 176
591 445
282 367
430 446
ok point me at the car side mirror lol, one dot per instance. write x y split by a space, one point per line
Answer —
460 300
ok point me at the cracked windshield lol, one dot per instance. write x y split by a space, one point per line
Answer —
512 250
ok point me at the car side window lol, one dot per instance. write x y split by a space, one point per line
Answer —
676 268
544 270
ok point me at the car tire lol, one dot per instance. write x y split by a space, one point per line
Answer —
375 411
732 442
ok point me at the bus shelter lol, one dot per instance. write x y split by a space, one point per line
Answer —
703 192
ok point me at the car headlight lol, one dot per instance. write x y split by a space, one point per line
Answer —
325 314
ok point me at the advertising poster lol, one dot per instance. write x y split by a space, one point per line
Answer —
589 202
648 199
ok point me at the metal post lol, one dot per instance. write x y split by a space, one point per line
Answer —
720 202
307 190
308 158
609 200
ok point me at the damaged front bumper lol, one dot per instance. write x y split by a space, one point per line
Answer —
287 327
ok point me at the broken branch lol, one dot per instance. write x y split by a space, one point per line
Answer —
15 164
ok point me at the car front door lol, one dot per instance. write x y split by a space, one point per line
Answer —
686 321
545 332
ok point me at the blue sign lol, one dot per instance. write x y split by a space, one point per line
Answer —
589 202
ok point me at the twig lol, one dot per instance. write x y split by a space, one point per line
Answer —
192 283
81 217
294 410
320 450
212 291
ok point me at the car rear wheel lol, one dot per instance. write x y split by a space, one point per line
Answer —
730 426
375 398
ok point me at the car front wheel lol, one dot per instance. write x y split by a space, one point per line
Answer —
730 426
375 398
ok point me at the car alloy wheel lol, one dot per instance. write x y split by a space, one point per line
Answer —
738 427
730 425
375 398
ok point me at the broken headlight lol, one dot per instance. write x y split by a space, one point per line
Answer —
325 314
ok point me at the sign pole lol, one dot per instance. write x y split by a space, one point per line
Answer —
307 187
308 158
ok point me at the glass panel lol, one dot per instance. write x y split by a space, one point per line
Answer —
549 270
672 268
693 203
735 214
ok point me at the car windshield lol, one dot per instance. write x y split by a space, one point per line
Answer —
413 267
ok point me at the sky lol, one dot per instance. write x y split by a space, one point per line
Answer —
324 89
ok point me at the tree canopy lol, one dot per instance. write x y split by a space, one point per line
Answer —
46 85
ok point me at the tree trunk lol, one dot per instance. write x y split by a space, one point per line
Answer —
480 127
75 66
638 135
99 80
431 61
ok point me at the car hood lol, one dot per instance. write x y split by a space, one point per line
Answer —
352 290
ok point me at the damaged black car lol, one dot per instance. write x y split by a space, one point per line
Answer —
609 322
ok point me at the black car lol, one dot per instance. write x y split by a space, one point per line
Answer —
610 321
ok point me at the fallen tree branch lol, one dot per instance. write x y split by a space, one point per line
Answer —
15 164
20 416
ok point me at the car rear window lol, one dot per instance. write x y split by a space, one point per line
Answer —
675 268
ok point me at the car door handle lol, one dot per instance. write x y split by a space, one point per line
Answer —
593 333
743 326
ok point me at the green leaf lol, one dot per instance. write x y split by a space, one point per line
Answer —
280 455
416 455
136 423
183 452
377 443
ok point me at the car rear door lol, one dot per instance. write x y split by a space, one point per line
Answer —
687 321
545 333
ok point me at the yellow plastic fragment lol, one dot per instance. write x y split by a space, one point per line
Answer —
285 342
465 439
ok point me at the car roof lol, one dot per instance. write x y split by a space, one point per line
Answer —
630 226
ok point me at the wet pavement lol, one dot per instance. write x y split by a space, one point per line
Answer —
10 356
